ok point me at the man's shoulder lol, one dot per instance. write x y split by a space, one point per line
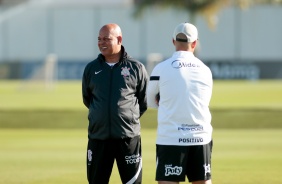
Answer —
134 61
95 61
165 63
204 66
92 64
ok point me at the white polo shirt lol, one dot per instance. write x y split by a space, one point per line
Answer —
185 86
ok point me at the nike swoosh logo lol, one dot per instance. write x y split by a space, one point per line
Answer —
98 72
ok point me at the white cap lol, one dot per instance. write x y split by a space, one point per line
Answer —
189 30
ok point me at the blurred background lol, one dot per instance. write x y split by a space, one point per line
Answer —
54 39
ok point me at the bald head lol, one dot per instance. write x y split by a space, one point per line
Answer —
110 42
112 28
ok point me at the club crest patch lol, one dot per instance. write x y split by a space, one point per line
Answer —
89 155
207 168
125 71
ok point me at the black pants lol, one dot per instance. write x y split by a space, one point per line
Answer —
176 162
101 155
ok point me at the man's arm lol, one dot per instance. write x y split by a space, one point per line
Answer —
141 90
153 93
86 95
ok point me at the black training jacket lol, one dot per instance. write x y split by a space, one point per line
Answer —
115 97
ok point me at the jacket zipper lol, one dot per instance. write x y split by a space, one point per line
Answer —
110 99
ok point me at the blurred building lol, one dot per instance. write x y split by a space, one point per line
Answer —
246 44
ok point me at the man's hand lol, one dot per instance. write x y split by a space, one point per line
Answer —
157 98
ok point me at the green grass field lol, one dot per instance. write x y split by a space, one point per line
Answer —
43 134
264 94
31 156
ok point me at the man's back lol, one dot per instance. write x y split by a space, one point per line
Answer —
185 87
181 89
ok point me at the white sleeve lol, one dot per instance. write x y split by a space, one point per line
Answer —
153 88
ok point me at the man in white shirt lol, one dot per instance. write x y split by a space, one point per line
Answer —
181 88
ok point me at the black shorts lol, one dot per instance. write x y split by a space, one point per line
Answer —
101 156
176 162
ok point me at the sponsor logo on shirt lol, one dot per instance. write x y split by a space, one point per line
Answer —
133 159
169 170
190 140
191 128
180 64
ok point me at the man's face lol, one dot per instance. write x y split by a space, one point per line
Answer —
108 43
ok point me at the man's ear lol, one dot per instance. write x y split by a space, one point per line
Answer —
119 38
173 41
193 44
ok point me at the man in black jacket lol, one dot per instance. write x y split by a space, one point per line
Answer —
114 91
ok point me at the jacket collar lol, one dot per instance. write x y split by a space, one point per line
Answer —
121 59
